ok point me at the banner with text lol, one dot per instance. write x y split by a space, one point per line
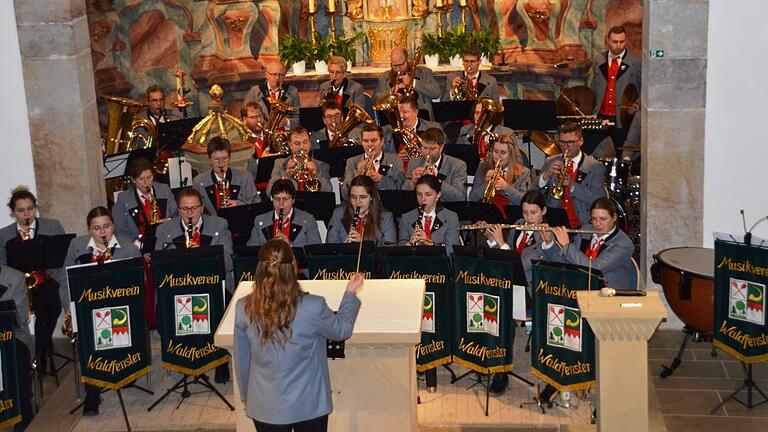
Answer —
741 275
112 335
339 267
190 302
435 347
10 408
484 331
562 345
244 267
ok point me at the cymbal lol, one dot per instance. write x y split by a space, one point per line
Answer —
631 148
575 101
545 143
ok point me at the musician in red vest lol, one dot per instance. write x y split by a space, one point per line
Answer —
582 177
340 88
612 71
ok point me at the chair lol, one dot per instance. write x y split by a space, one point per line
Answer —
639 285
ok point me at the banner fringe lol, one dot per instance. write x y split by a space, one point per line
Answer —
10 422
739 356
560 387
195 372
118 385
433 364
481 369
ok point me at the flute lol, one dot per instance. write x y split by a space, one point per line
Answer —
523 227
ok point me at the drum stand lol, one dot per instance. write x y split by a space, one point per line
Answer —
698 336
748 384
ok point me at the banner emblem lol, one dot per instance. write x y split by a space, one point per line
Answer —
428 313
747 301
192 314
563 327
483 313
112 327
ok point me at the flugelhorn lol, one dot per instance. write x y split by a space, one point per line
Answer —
302 174
522 227
490 189
464 91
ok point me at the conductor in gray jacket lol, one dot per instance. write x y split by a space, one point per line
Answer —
280 352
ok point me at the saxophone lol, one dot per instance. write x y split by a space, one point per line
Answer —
154 216
558 190
301 173
490 188
107 252
223 190
190 236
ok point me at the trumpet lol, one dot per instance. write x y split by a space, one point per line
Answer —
464 91
302 174
190 236
490 188
368 162
522 227
223 190
107 252
558 190
154 215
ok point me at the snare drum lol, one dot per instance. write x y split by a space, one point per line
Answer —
687 276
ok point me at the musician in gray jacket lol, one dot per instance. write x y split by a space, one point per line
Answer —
583 182
285 222
511 180
333 119
340 88
275 87
609 249
285 168
483 83
431 223
281 365
399 77
362 216
385 169
450 171
223 186
408 109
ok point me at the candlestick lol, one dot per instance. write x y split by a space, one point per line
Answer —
439 21
438 4
332 22
312 36
463 15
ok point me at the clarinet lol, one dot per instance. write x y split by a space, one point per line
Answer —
279 226
419 224
190 237
355 221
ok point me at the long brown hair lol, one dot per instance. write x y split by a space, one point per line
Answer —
272 304
373 218
514 166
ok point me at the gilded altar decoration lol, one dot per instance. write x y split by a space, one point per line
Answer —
354 9
383 39
419 8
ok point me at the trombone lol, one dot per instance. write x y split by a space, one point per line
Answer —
522 227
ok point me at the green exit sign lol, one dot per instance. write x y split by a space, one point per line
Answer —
656 54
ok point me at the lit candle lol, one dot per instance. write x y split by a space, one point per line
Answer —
438 3
463 3
311 6
331 5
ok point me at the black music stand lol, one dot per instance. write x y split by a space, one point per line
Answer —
311 118
509 257
240 219
116 165
465 152
529 115
453 110
398 201
264 170
472 211
339 248
253 251
319 204
336 158
172 135
555 216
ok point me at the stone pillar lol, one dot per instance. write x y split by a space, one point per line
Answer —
672 119
61 103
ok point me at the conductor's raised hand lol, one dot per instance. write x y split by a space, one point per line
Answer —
355 283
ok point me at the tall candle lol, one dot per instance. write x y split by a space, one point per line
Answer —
311 6
438 3
463 3
331 5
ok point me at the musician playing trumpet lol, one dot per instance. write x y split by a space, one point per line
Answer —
581 176
451 172
510 179
223 186
400 77
300 166
478 83
340 88
385 169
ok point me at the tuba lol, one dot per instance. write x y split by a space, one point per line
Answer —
276 140
122 125
301 173
490 188
388 106
488 109
355 117
464 91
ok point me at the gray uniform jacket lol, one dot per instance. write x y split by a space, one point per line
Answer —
424 84
421 126
629 73
589 185
613 259
466 132
80 253
532 251
513 192
452 173
319 138
486 86
338 232
290 95
353 91
13 287
289 382
44 227
323 174
390 168
128 210
303 229
445 227
241 188
214 231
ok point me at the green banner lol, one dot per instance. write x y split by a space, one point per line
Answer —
190 302
562 345
244 267
10 408
112 335
484 331
435 347
741 275
339 267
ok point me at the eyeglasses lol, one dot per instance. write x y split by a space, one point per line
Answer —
220 159
190 209
398 65
570 143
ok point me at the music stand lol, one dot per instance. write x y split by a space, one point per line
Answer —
339 248
311 118
453 110
116 165
398 201
240 219
465 152
264 169
529 115
319 204
336 158
555 216
172 135
253 251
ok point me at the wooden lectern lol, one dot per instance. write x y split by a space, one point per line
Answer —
622 327
374 386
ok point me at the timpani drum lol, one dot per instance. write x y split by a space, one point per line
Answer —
687 276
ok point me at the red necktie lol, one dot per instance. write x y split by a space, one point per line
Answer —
147 206
482 146
523 243
360 227
286 228
196 236
428 227
594 249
